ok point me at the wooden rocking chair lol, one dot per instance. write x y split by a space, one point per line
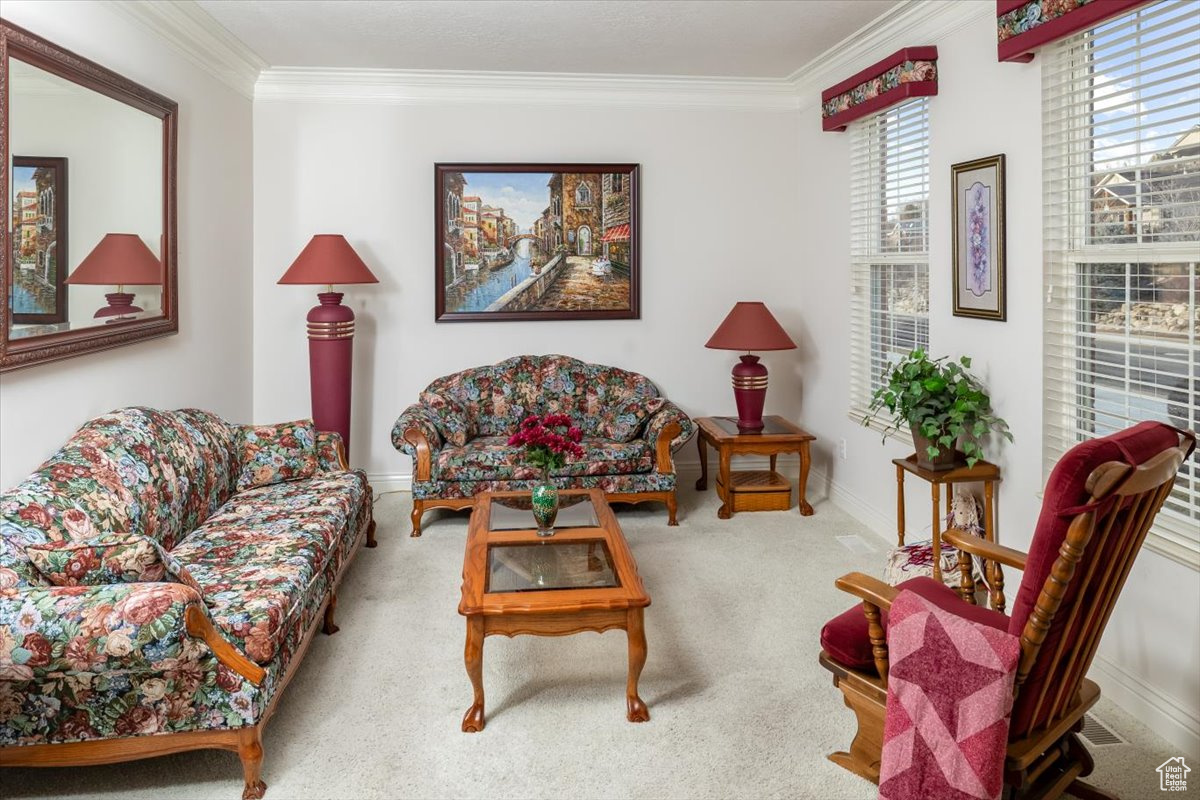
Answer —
1098 505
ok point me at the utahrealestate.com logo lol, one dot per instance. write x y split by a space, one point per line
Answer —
1172 775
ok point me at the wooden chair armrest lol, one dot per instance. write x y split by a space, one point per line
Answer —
662 448
870 589
989 551
199 626
876 596
423 463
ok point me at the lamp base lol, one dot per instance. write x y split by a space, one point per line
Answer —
120 306
750 393
330 358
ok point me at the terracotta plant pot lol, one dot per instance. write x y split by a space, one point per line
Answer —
947 457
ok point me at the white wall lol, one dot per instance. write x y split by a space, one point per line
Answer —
718 216
207 364
983 107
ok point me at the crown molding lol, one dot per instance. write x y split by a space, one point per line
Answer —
418 87
908 24
191 31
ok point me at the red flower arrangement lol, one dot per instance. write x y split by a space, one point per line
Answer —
549 441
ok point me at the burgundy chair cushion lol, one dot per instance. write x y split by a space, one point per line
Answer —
1066 489
845 637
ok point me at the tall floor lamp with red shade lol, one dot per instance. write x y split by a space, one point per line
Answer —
750 326
328 259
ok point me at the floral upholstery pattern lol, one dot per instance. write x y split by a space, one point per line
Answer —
621 414
137 470
274 453
257 557
452 419
492 458
331 451
1033 14
94 562
115 660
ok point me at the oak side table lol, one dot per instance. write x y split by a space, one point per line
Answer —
984 472
753 490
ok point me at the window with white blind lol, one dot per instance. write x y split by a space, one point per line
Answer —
1121 172
889 244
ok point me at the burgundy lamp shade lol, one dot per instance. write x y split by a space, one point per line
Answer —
120 259
328 259
750 326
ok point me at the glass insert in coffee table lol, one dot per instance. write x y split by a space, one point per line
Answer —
575 510
547 565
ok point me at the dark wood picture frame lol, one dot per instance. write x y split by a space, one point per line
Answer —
993 193
61 251
450 252
19 353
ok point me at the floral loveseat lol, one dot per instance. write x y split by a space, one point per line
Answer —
183 633
457 435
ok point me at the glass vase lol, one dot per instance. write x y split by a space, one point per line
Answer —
544 501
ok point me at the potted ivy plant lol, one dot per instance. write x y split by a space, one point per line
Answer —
944 405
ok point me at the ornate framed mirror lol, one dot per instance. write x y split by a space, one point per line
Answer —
89 257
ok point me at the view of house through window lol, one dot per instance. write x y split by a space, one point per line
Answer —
889 199
1122 203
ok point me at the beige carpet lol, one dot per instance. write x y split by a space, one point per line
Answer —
739 706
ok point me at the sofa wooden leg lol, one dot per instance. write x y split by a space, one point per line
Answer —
371 535
329 628
251 753
672 507
418 510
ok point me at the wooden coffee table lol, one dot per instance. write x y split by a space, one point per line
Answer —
581 579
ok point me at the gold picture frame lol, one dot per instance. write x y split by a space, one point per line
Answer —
978 231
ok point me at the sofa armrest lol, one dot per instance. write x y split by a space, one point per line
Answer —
331 452
130 627
656 432
415 434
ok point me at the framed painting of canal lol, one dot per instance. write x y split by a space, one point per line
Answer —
536 242
38 295
978 225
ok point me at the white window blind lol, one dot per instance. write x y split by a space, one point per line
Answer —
1121 172
889 244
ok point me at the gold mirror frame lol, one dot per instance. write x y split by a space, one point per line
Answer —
16 42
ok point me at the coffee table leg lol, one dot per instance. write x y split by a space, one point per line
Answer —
473 720
702 481
726 509
637 711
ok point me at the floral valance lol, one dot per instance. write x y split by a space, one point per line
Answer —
1024 25
911 72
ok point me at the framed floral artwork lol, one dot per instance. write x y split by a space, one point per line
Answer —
978 235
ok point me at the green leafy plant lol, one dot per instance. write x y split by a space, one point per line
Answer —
939 399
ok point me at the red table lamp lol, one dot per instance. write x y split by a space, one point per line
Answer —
121 259
750 326
328 259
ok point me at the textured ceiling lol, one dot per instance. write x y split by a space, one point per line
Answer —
753 38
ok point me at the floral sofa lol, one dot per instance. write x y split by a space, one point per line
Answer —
161 577
457 435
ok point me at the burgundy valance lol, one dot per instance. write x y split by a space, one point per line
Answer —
911 72
1024 25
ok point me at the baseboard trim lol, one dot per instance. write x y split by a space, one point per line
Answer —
1155 709
878 523
390 481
